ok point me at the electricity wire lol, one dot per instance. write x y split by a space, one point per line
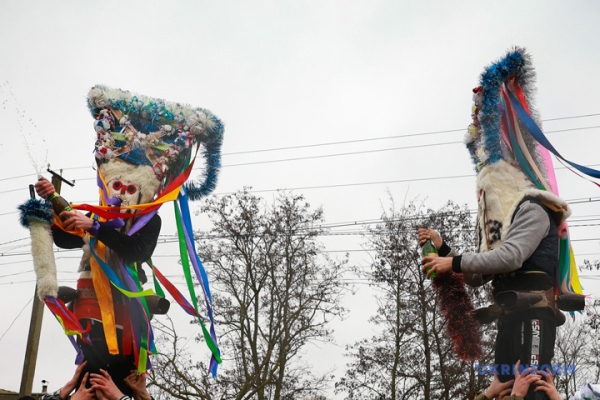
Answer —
358 141
14 320
386 138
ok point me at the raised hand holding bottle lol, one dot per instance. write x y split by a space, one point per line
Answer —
429 249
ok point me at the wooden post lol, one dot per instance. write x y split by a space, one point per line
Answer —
33 341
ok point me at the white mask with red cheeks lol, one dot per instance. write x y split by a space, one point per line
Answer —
132 184
127 192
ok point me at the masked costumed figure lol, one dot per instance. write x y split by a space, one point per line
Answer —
521 230
145 150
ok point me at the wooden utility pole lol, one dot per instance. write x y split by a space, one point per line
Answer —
33 341
35 331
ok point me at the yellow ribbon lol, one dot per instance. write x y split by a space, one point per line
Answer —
574 275
105 300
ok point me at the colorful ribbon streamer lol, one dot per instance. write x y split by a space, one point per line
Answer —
537 133
104 277
516 109
185 244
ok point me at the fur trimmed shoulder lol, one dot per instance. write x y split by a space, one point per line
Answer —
553 202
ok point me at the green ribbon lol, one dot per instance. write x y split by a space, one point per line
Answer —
183 251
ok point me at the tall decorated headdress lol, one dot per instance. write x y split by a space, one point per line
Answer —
512 157
156 135
146 150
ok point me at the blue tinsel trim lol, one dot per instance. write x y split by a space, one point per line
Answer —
35 210
489 116
472 149
212 153
148 115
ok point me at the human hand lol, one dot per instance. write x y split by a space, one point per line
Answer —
104 386
137 383
425 234
547 385
497 388
83 393
73 220
100 395
503 394
43 187
523 380
439 265
66 390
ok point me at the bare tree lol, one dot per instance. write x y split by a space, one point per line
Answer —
175 375
410 357
569 350
577 350
274 291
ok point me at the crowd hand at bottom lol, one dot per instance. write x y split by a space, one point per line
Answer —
137 383
84 393
523 380
498 389
104 386
504 394
66 390
547 385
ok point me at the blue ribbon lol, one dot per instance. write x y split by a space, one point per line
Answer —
189 233
537 133
517 151
198 268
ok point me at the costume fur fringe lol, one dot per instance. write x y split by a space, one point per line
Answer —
43 259
36 215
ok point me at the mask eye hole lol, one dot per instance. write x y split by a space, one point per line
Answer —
131 189
117 185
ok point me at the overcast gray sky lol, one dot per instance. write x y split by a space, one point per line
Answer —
283 74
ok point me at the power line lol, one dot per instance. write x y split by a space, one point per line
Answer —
358 184
371 151
340 154
174 239
15 240
355 141
17 273
345 184
17 262
29 253
585 240
384 138
14 320
16 177
304 146
362 250
573 117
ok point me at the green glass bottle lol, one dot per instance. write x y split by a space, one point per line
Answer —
59 204
429 249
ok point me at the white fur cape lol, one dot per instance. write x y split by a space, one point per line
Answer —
501 188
